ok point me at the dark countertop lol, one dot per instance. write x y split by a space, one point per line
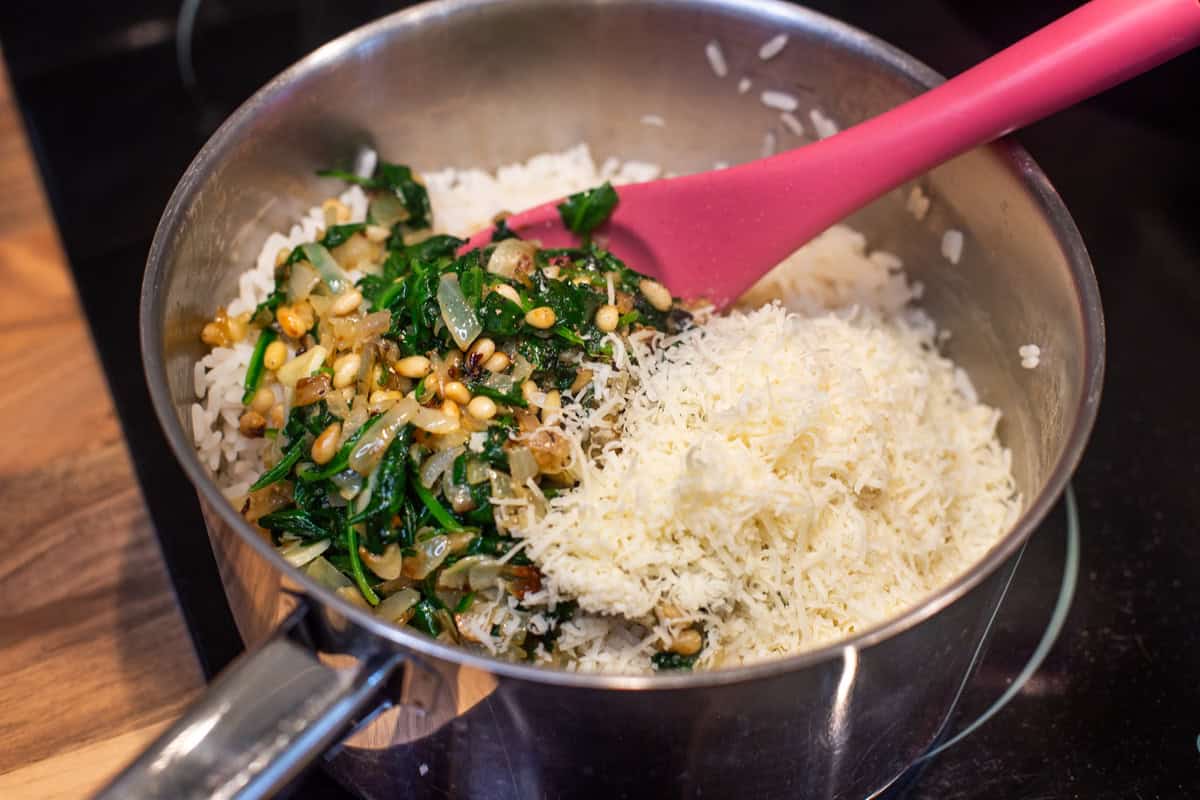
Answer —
1115 710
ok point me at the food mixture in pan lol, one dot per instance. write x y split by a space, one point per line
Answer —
543 455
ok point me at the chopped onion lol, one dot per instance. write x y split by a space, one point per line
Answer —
521 370
457 495
500 382
437 464
477 471
349 483
364 497
366 369
511 258
447 441
386 209
350 331
397 608
458 315
298 554
338 402
502 486
302 281
359 412
301 366
387 564
475 572
429 556
522 464
320 303
333 275
326 574
551 449
267 499
370 449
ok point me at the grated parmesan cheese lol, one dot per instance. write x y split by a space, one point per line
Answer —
784 479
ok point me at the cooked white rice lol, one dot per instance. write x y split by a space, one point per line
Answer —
773 47
823 125
791 123
952 245
780 101
1031 355
716 58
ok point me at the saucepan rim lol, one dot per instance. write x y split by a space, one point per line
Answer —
175 217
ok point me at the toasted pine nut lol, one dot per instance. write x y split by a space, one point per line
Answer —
383 397
450 409
456 391
275 416
263 400
282 256
433 385
542 317
252 424
275 355
214 335
238 327
481 407
508 293
655 293
552 405
325 447
528 390
481 350
345 370
336 212
377 233
345 302
582 379
413 366
497 363
607 318
688 642
551 271
295 320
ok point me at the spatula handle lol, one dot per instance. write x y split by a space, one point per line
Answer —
1085 52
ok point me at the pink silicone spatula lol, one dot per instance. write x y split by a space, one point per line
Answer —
713 234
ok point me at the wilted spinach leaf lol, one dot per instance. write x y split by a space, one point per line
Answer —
582 213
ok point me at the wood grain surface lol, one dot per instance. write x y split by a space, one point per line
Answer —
94 656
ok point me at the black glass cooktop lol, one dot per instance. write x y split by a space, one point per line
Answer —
1114 712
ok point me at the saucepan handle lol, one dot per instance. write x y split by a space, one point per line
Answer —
266 717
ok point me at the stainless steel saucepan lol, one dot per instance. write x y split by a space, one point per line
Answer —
479 83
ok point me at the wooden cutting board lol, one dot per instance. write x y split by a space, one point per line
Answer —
94 655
